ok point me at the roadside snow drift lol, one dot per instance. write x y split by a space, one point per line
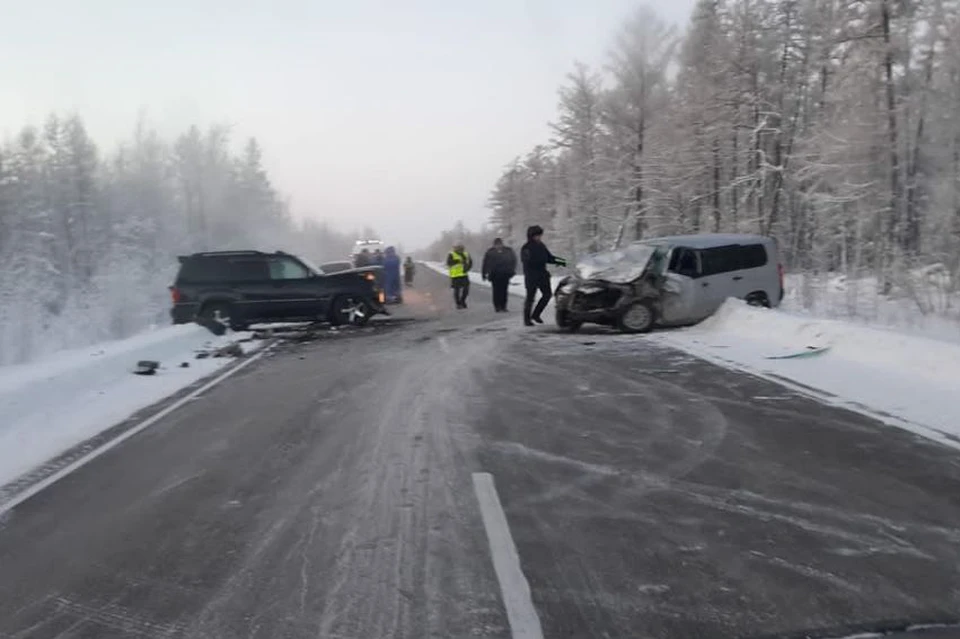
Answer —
52 404
901 379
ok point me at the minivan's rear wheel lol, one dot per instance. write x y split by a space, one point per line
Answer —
348 310
758 298
638 317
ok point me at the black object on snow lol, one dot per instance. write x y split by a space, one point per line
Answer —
146 367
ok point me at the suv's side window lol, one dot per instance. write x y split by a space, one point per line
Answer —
249 270
284 268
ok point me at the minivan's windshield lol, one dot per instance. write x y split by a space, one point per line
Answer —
620 266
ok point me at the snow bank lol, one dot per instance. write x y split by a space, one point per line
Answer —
902 379
52 404
922 302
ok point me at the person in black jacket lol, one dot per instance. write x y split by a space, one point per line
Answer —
535 256
498 266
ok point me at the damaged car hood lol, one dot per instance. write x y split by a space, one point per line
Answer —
621 266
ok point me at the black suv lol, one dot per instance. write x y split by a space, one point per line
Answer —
239 288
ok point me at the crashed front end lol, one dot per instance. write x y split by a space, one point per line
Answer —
594 301
606 284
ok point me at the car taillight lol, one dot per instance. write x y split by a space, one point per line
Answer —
175 294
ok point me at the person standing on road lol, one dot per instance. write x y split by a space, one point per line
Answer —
499 265
459 263
378 257
391 275
535 256
363 259
409 268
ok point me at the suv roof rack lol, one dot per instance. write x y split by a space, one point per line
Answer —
183 258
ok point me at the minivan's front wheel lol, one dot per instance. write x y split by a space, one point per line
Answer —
565 323
638 317
348 310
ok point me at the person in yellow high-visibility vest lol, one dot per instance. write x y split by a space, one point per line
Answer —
459 263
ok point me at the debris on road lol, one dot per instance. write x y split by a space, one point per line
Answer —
146 367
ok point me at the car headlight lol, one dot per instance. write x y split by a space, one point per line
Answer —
369 277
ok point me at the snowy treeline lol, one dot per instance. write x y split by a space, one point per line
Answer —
833 125
88 242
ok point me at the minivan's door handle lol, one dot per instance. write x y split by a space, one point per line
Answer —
737 278
706 283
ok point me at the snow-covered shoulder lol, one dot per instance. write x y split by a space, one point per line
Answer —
52 404
902 379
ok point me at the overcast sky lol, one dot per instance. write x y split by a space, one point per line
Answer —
398 114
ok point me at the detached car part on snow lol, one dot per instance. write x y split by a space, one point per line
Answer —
670 281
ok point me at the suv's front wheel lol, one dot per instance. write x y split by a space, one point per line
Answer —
349 310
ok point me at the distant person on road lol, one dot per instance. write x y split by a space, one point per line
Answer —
459 263
391 275
378 257
363 259
535 256
409 269
499 265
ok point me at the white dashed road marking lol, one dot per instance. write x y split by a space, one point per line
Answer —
524 622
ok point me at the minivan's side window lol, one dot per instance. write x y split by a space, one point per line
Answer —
753 256
724 259
683 261
285 268
721 259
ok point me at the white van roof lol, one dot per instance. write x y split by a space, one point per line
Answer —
709 240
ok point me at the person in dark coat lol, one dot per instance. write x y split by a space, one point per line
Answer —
363 259
535 256
391 275
409 269
378 257
498 266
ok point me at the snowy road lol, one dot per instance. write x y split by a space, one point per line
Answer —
330 490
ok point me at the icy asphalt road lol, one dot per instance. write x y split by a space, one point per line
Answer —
327 491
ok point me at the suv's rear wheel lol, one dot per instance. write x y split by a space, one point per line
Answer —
218 314
350 310
638 317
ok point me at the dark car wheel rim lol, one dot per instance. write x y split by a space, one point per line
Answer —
637 317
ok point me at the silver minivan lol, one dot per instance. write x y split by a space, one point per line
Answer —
670 281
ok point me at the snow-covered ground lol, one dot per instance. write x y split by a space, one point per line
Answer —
902 379
919 302
49 405
896 375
